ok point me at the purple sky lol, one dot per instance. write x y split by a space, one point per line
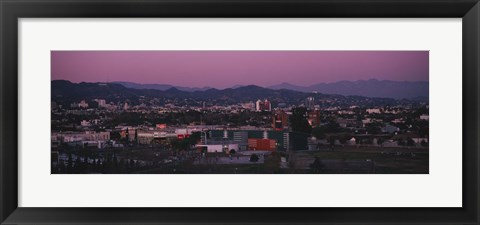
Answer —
222 69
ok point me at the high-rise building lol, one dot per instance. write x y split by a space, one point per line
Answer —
268 105
225 134
310 102
314 118
263 105
101 103
280 120
83 104
257 105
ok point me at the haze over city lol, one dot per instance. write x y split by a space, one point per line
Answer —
224 69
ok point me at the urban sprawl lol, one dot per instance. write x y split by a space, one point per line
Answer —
312 135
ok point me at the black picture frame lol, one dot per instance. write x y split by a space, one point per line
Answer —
12 10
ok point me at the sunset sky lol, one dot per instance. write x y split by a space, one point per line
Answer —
223 69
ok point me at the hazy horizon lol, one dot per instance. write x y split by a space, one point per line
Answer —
226 69
234 86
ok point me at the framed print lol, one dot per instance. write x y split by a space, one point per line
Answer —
242 125
250 112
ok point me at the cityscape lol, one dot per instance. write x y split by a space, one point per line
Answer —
239 112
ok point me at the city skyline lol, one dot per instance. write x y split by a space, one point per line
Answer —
226 69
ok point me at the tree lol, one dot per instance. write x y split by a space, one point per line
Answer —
410 142
115 135
319 132
331 140
127 137
115 164
183 144
132 163
96 165
70 163
424 143
92 104
78 165
195 137
373 128
85 164
380 141
136 136
299 122
317 165
332 127
344 138
104 167
254 158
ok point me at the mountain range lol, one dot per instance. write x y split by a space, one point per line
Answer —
62 89
67 92
368 88
161 87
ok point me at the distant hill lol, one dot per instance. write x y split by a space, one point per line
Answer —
413 90
161 87
368 88
66 91
288 86
78 91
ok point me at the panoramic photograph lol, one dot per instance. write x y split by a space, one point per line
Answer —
239 112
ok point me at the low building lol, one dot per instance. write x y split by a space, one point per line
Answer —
83 104
420 141
424 117
348 122
390 129
373 111
217 147
314 118
262 144
66 137
390 143
241 137
315 144
351 141
101 103
147 137
84 123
